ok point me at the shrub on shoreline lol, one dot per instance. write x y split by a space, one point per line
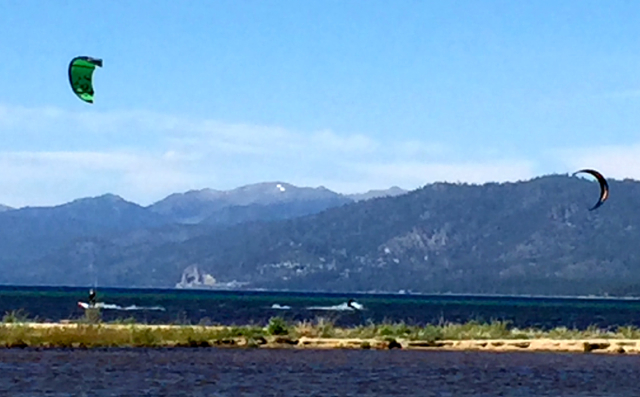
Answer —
15 316
277 326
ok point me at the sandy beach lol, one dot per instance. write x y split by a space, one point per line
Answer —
614 346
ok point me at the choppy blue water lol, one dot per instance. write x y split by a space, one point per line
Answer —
228 307
252 373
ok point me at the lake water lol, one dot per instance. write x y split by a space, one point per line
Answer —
201 306
252 372
264 372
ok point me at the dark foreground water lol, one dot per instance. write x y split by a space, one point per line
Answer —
245 307
236 372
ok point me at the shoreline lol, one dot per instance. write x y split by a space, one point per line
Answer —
616 346
105 335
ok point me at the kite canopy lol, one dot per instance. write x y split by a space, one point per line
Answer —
81 76
604 186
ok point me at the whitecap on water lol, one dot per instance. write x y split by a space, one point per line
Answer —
341 307
278 307
112 306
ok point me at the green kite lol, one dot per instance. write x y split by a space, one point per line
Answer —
81 75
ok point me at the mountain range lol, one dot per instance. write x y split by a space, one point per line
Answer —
31 235
528 237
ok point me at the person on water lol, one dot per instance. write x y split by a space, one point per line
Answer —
92 298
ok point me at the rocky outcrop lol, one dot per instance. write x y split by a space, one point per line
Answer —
192 277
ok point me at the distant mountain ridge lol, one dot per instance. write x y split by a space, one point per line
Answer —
528 237
197 205
31 233
391 192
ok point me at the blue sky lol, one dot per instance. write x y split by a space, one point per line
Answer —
353 95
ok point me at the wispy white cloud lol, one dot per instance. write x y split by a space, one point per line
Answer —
470 172
145 156
414 174
49 178
614 161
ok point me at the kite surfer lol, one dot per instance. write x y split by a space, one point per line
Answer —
352 304
92 298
